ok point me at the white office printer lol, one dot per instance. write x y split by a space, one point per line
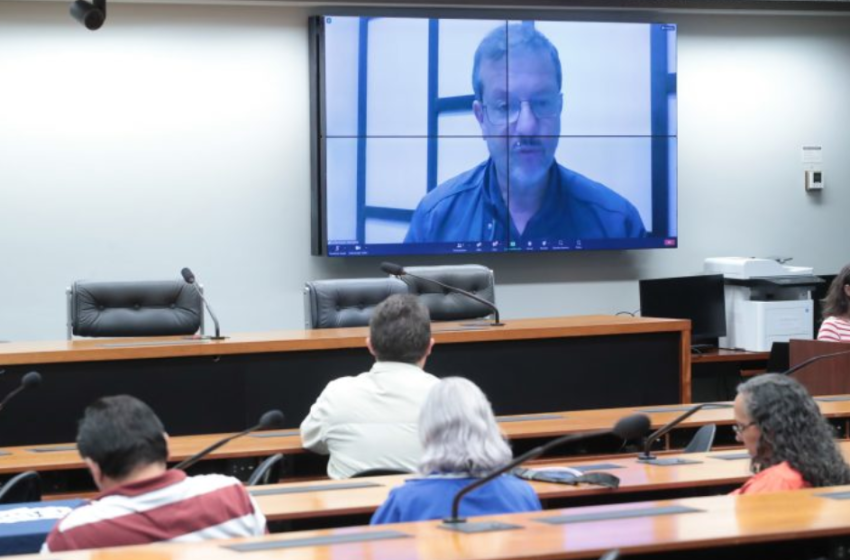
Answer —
766 301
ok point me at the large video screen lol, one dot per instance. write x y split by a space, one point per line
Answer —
479 136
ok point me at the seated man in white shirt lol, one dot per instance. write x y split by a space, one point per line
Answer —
371 420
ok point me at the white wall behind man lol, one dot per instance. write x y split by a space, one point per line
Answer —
179 136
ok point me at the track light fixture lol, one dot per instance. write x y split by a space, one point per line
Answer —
92 15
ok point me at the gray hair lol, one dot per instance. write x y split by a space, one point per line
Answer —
458 431
792 429
513 38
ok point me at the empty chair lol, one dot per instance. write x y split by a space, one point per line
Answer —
779 358
346 302
703 440
449 306
379 472
268 472
145 308
25 487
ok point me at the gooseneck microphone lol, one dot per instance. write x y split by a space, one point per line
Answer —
662 431
31 379
189 277
272 419
814 359
630 427
398 270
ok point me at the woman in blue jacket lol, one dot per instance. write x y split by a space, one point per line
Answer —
461 442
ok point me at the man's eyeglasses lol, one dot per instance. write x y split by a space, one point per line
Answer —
507 111
740 428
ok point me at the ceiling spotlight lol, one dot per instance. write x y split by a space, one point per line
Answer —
92 15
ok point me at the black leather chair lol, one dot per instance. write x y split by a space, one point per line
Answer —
149 308
346 302
779 358
25 487
448 306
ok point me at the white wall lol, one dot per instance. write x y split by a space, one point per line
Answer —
179 136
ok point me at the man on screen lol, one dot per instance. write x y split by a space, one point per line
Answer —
516 78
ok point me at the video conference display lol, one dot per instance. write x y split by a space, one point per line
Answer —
468 136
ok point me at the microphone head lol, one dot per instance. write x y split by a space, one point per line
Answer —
632 427
392 268
32 379
271 419
188 276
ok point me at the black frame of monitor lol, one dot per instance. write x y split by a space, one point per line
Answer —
657 293
658 238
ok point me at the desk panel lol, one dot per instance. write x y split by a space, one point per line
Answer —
550 425
768 525
204 387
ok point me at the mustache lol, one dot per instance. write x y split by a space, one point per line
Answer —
526 142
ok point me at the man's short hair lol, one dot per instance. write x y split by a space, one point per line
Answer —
121 433
400 329
516 38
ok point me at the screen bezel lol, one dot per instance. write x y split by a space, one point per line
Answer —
659 294
665 217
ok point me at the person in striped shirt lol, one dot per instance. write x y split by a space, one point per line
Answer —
836 309
125 448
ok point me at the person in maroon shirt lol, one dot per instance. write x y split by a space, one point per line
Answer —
125 448
789 441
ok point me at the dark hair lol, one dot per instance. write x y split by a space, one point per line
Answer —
837 303
121 433
792 429
515 37
400 329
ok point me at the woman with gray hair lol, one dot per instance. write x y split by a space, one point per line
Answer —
790 442
461 442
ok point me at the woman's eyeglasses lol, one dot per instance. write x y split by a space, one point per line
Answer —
740 428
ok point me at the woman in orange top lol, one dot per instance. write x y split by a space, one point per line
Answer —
790 442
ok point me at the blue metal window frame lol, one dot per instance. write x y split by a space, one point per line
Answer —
436 106
662 86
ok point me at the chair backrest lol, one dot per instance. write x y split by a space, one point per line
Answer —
25 487
268 472
346 302
379 472
779 358
147 308
703 440
444 306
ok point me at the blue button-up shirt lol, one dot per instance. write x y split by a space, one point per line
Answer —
470 207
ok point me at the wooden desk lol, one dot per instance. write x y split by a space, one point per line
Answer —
22 458
827 376
714 473
635 478
529 365
716 374
721 355
772 524
65 457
